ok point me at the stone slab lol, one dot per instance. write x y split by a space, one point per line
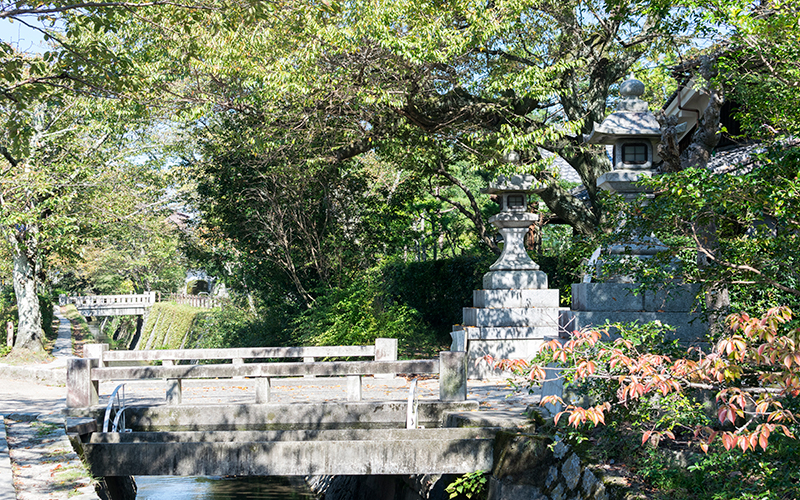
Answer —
606 297
286 416
509 332
515 280
690 327
479 368
620 297
510 316
292 458
335 368
448 432
515 298
481 419
679 299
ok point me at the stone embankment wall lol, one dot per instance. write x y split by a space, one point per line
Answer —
527 467
535 467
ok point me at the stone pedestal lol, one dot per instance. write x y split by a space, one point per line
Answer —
506 323
594 304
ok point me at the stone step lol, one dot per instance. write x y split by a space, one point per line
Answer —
479 368
509 332
511 316
690 327
515 298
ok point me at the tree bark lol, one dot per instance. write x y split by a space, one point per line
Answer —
30 335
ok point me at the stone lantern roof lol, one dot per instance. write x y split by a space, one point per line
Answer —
515 184
632 119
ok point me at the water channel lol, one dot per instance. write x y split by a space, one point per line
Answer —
220 488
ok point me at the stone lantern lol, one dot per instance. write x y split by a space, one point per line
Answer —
634 132
514 268
515 312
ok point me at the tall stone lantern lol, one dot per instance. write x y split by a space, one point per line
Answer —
634 132
514 268
515 312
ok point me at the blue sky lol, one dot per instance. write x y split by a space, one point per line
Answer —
24 38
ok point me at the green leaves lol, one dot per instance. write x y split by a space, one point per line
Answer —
471 484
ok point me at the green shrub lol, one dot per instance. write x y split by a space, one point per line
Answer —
236 326
359 314
438 290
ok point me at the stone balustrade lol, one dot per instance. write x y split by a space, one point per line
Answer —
201 301
110 305
85 374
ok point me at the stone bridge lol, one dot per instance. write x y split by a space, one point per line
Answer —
264 437
110 305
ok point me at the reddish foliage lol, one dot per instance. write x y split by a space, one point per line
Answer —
759 349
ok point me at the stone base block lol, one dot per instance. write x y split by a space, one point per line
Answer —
515 279
509 332
478 368
689 327
515 298
511 316
620 297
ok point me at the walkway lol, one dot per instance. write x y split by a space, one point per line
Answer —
63 345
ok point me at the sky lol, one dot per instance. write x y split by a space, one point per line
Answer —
22 37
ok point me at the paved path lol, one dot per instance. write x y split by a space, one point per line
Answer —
63 345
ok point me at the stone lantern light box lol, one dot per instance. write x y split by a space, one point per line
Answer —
514 268
632 129
634 132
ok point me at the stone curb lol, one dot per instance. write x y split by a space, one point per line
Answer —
7 491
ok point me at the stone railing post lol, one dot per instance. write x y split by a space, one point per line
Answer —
263 386
174 394
81 390
452 376
95 351
354 387
385 350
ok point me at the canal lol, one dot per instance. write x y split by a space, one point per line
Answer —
221 488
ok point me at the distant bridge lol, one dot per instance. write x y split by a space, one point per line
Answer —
110 305
352 437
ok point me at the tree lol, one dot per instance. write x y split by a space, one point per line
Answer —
471 84
63 129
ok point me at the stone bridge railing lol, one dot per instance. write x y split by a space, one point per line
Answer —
110 305
203 301
85 374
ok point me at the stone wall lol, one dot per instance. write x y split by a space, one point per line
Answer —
535 467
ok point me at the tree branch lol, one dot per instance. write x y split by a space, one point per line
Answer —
90 5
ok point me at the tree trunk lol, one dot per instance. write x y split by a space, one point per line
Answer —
30 335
